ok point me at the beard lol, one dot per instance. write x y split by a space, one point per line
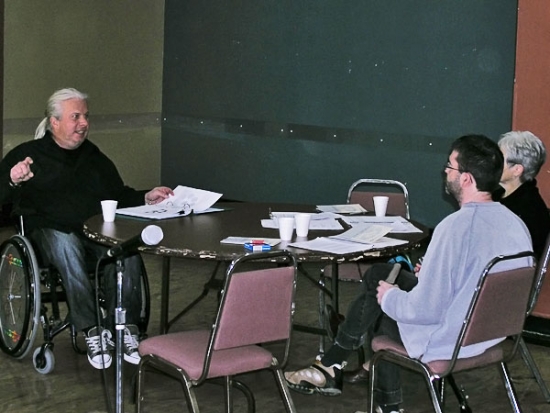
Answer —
453 188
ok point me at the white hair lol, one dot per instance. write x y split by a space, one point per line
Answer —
54 108
525 149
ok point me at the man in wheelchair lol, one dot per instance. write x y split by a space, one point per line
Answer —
57 182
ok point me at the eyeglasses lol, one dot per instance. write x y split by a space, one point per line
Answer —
448 166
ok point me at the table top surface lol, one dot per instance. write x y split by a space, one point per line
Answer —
198 236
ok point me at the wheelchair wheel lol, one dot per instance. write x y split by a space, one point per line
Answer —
43 360
19 296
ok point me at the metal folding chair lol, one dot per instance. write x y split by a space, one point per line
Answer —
498 309
256 308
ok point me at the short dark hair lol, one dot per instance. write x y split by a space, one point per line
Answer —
480 156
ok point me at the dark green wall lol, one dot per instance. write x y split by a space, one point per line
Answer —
293 100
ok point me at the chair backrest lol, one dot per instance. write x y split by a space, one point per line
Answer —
362 191
540 305
256 305
500 302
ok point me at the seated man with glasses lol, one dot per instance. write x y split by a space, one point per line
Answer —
425 310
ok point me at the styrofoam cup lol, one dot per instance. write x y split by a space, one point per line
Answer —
380 205
302 224
109 209
286 228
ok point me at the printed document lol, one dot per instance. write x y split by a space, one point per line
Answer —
186 200
342 209
336 246
398 224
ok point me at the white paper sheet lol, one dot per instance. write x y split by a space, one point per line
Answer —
185 200
343 209
244 240
335 246
364 233
398 224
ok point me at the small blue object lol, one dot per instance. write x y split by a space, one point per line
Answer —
404 261
257 247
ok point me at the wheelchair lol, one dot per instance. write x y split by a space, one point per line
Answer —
30 296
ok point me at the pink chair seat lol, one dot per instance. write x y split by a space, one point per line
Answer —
187 350
492 355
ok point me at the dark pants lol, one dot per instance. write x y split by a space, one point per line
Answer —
365 315
69 253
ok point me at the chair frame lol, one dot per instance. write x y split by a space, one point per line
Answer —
466 337
542 268
381 182
323 276
285 258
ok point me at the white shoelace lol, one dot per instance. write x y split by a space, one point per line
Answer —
93 343
130 341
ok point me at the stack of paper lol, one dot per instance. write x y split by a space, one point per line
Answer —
398 224
185 201
336 246
342 209
358 238
246 240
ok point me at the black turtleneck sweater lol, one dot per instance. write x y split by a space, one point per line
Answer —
67 186
527 204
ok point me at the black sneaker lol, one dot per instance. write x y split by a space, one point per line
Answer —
99 354
316 379
131 343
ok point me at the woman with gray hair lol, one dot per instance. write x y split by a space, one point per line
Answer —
524 155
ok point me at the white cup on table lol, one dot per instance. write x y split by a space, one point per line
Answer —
302 224
108 207
286 228
380 205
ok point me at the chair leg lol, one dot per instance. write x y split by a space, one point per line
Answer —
441 386
190 398
429 381
247 393
460 395
322 315
532 366
510 390
228 394
434 394
138 393
285 392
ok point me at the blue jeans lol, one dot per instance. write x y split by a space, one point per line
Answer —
69 254
365 315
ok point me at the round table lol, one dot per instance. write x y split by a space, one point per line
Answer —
198 236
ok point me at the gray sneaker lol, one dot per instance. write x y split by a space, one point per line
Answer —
131 344
99 354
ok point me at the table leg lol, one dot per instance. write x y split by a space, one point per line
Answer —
335 298
165 295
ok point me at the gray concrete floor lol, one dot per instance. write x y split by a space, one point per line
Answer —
74 386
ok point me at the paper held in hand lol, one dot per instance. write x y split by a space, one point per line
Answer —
186 200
